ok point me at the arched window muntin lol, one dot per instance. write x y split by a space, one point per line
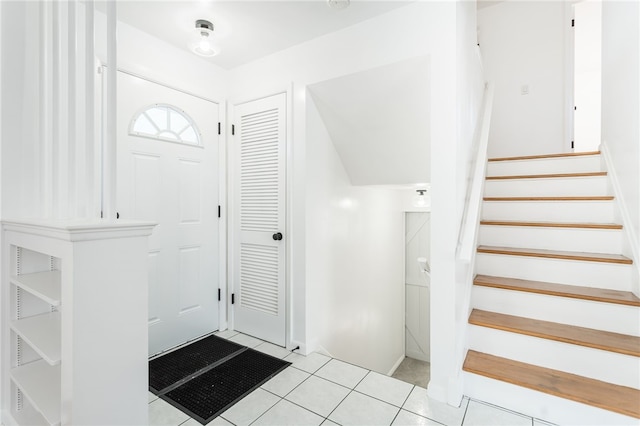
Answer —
167 123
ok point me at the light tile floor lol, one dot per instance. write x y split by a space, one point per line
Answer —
319 390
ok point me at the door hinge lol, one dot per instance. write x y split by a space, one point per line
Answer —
233 129
219 295
219 128
233 298
219 211
573 22
571 144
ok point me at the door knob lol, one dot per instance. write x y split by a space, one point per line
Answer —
277 236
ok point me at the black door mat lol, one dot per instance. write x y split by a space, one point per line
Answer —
174 368
208 395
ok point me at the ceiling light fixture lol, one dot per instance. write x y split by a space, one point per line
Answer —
338 4
202 45
421 200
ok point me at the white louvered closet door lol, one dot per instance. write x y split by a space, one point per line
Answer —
259 281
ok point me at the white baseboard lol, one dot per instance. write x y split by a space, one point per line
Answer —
396 365
621 206
323 351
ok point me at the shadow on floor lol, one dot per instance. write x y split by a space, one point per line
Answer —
413 371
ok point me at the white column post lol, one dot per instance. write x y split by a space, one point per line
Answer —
72 44
46 104
88 180
109 147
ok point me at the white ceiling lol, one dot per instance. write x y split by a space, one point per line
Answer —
378 121
246 30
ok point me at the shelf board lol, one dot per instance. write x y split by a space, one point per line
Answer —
42 333
40 384
45 285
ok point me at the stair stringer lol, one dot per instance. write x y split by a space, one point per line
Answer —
631 246
528 401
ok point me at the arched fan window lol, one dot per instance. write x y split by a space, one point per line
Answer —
167 123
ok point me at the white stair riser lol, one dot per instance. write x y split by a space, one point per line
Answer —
582 313
546 187
572 272
584 164
623 370
568 239
540 405
549 211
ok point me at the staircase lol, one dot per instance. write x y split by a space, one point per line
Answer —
554 330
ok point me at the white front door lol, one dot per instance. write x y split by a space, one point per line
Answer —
259 219
168 173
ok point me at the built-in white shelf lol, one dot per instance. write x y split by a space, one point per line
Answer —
40 384
42 333
45 285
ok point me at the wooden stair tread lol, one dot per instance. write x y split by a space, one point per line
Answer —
549 176
536 157
619 399
556 254
551 224
578 198
562 290
591 338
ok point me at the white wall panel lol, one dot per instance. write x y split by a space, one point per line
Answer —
147 185
190 281
190 191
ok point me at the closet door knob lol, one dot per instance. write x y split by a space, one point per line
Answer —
277 236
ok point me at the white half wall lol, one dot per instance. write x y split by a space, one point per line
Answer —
522 44
621 98
355 248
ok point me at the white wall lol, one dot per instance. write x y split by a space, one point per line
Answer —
522 44
621 98
145 55
355 248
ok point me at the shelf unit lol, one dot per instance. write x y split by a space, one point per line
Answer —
40 384
74 323
35 334
42 333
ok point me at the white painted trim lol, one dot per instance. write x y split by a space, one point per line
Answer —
167 85
568 75
85 230
222 221
231 215
396 365
622 209
323 351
